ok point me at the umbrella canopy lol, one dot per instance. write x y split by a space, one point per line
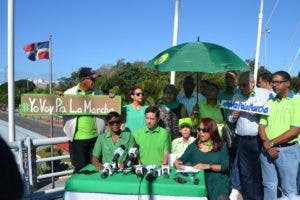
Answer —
197 57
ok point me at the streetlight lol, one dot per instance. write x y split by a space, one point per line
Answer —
267 31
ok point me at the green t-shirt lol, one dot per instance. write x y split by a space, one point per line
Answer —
284 113
153 145
86 125
104 147
208 111
135 119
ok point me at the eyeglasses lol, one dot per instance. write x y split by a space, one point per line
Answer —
202 129
139 94
114 122
278 82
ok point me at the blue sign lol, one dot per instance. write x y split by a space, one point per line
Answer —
246 107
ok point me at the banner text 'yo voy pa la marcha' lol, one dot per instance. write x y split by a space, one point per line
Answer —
44 104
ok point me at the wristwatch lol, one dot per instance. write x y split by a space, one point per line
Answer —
271 144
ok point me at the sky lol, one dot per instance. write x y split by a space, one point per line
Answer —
101 32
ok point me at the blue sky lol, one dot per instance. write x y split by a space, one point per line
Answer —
95 33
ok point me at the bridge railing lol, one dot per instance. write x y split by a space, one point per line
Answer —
25 151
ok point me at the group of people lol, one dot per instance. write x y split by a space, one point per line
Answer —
189 126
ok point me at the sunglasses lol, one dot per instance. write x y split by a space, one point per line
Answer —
139 94
114 122
202 129
90 78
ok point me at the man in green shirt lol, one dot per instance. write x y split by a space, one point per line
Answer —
154 141
82 130
279 132
109 142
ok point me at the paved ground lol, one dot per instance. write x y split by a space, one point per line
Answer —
36 124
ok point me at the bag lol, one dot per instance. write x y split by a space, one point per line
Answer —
229 137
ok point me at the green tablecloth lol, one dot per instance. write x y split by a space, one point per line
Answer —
121 183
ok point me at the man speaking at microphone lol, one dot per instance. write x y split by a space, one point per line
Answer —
154 141
109 142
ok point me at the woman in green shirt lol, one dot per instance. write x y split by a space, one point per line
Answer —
209 108
135 112
209 154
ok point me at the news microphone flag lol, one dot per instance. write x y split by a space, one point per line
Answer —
37 51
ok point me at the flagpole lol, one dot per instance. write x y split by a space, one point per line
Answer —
175 35
10 71
51 117
260 17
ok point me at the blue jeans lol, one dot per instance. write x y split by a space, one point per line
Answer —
234 173
249 148
287 167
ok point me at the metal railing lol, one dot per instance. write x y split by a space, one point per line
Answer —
27 160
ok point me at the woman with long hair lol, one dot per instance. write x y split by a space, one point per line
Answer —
135 111
209 154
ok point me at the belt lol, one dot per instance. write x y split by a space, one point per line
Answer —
247 137
286 144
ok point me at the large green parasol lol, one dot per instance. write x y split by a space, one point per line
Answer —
197 57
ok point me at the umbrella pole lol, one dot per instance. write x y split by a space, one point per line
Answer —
197 86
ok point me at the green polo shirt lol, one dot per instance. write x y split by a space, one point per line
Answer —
86 125
153 145
284 114
104 147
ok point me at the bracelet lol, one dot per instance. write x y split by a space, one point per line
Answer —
210 167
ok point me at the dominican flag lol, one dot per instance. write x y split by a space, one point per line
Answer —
37 51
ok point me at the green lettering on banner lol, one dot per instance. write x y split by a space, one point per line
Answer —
45 104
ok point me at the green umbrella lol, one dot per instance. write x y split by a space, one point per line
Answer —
197 57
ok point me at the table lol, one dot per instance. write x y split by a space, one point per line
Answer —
90 185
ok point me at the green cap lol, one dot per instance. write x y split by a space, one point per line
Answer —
185 122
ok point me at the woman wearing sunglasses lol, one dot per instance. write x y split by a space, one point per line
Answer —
108 142
135 112
209 154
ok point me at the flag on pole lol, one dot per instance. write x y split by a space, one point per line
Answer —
37 51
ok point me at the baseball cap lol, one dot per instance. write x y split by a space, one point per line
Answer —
185 122
87 72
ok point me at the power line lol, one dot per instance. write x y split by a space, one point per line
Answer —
291 43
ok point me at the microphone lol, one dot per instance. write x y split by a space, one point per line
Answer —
152 173
140 171
133 154
118 152
165 170
107 170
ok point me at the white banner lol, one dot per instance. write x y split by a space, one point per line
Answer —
246 107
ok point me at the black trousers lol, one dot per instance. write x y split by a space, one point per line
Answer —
81 152
248 150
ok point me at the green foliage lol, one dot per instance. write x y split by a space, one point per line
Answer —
296 84
21 87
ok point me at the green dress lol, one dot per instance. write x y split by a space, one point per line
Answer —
217 182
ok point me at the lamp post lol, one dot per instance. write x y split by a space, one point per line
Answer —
267 31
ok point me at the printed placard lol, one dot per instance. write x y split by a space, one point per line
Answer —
246 107
45 104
